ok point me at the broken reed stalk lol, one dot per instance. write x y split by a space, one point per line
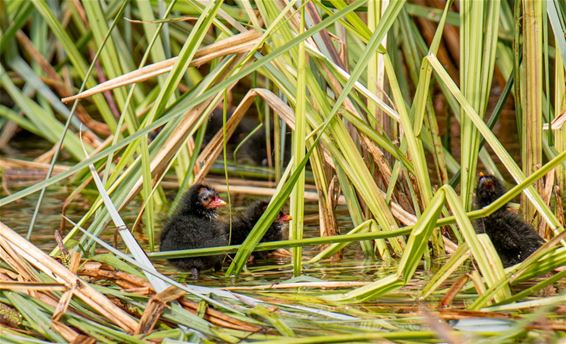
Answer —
61 274
233 45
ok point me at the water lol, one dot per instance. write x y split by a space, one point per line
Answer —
299 308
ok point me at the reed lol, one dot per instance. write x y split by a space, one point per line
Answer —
376 94
531 133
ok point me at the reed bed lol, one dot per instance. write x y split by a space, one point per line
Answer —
393 107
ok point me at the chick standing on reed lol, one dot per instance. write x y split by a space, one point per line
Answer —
195 225
244 223
513 239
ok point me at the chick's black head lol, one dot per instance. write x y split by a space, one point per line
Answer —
283 218
201 200
258 208
489 189
254 212
277 230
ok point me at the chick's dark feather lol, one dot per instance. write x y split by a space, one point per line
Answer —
194 226
513 239
243 223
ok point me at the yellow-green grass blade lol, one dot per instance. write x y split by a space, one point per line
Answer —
420 235
164 97
284 189
76 58
299 144
18 19
148 213
356 214
36 317
452 264
22 122
272 245
332 249
48 17
558 24
531 95
47 97
483 252
479 27
372 290
110 59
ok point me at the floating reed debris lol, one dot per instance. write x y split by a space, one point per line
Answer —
368 120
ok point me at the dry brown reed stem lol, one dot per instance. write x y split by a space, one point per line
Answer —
328 223
140 286
453 291
21 173
220 319
557 122
24 271
210 153
31 286
6 164
37 290
260 191
449 245
172 182
546 195
102 271
47 156
241 43
314 285
214 148
71 335
325 35
155 307
450 314
65 299
559 205
61 274
9 130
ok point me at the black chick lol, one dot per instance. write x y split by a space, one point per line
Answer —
244 223
252 147
513 239
195 225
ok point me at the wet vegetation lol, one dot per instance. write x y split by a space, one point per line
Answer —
367 121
